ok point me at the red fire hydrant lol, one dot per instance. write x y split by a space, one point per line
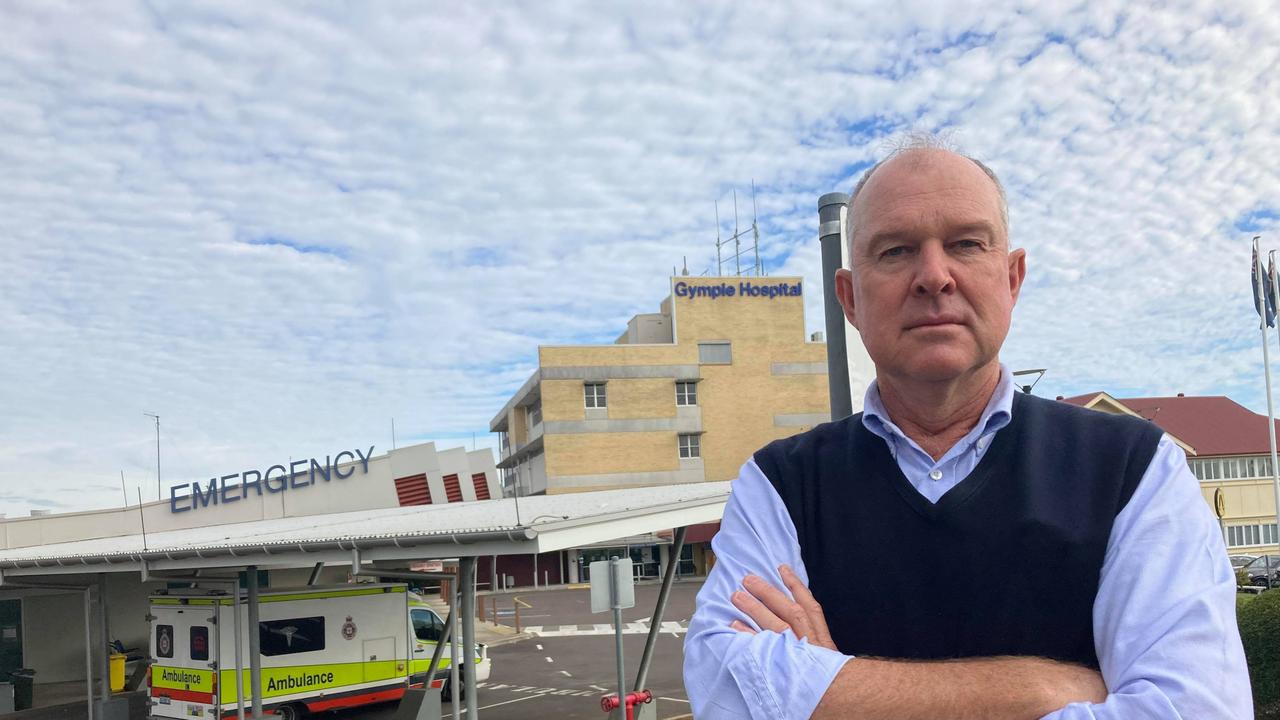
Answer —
610 702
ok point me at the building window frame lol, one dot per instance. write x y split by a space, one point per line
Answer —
1252 535
690 445
686 393
533 413
718 352
595 395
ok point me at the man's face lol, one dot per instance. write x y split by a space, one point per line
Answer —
933 283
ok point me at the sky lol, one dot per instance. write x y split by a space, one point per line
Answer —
281 227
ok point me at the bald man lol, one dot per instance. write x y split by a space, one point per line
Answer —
957 549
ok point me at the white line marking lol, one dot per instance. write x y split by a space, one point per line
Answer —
507 702
676 700
550 660
597 687
539 647
565 673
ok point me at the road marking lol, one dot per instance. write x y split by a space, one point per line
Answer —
525 604
565 673
597 687
676 700
539 647
550 660
506 702
633 628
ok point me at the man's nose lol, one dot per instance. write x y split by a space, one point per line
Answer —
933 275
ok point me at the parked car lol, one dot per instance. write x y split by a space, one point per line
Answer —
1264 571
1239 561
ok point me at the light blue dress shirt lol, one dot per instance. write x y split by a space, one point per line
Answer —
1164 618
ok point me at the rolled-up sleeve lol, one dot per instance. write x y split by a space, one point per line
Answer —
1164 620
729 674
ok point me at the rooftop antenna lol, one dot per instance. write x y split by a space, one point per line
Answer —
719 267
123 490
685 266
159 494
737 243
1038 372
393 433
755 230
142 518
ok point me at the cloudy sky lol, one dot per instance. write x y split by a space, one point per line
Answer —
280 229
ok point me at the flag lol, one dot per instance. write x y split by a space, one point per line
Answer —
1274 296
1260 276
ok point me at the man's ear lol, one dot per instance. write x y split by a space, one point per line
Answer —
1017 272
844 293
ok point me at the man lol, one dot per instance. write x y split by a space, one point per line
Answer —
959 550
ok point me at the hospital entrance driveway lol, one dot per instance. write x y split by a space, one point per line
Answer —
570 663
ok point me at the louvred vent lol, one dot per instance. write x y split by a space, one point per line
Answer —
452 489
413 490
482 486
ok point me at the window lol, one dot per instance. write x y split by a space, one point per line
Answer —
534 413
199 643
715 353
292 636
1246 535
690 445
686 392
593 395
164 641
427 626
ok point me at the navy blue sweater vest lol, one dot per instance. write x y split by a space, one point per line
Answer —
1006 563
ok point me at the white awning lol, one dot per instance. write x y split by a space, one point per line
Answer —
545 523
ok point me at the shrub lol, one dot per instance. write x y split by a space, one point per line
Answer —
1259 621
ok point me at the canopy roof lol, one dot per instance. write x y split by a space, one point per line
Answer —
544 523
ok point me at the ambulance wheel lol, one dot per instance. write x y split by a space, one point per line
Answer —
446 692
291 712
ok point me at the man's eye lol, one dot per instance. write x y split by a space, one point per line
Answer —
896 251
968 244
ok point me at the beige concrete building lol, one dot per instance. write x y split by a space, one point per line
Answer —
1229 451
685 394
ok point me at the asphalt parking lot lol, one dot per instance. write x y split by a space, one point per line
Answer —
565 670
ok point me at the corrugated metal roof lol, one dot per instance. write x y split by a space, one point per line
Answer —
343 530
1213 425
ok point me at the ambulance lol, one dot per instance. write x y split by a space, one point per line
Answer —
322 648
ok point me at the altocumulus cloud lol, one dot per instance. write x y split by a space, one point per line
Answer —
280 229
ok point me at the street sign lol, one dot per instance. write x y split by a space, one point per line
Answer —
601 598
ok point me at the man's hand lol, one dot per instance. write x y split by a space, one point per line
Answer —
771 609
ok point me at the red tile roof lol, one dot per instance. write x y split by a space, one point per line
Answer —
1213 425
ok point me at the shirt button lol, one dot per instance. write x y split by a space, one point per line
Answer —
982 443
935 474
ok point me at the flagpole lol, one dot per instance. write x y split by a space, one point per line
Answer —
1260 272
1275 475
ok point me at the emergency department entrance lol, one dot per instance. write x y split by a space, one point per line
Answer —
103 582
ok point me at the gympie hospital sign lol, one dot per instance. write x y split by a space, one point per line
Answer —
745 288
299 474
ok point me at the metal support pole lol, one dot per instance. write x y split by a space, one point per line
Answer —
315 574
104 667
455 652
239 650
255 646
436 654
616 601
88 649
830 237
655 622
535 569
468 583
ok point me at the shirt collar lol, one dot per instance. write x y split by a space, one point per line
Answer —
996 415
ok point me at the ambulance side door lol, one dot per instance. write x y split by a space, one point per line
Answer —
427 628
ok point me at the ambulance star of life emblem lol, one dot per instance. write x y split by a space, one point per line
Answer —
348 629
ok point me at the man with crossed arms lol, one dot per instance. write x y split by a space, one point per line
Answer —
960 550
